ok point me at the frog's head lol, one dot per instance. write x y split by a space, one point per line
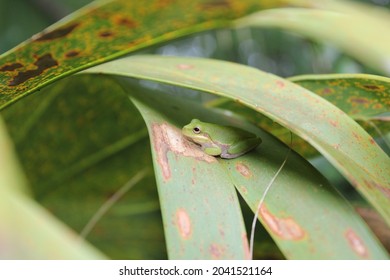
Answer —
195 131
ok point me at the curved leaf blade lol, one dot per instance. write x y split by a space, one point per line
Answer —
105 30
365 98
11 179
351 31
28 231
345 144
361 96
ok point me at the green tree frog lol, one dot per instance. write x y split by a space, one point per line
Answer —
218 140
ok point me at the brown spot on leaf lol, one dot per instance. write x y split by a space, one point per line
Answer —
284 228
243 189
244 170
161 147
327 91
356 136
11 67
359 100
126 22
42 63
334 123
184 66
72 53
216 4
280 84
371 87
216 251
168 138
106 34
183 223
356 243
55 34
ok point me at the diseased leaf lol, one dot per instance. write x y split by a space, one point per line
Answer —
365 98
106 30
362 97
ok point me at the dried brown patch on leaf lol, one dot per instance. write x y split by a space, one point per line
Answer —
125 22
183 223
280 84
11 67
334 123
72 53
216 251
185 66
326 91
373 87
243 189
359 101
167 138
55 34
284 228
244 170
356 243
106 34
42 63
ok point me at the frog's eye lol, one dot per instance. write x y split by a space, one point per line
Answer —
196 130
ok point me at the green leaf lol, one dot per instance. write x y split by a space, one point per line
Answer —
78 146
27 230
106 30
306 217
360 31
341 140
11 179
376 125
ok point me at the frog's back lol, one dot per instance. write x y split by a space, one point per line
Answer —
229 134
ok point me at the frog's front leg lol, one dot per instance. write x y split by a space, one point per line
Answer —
243 147
211 149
